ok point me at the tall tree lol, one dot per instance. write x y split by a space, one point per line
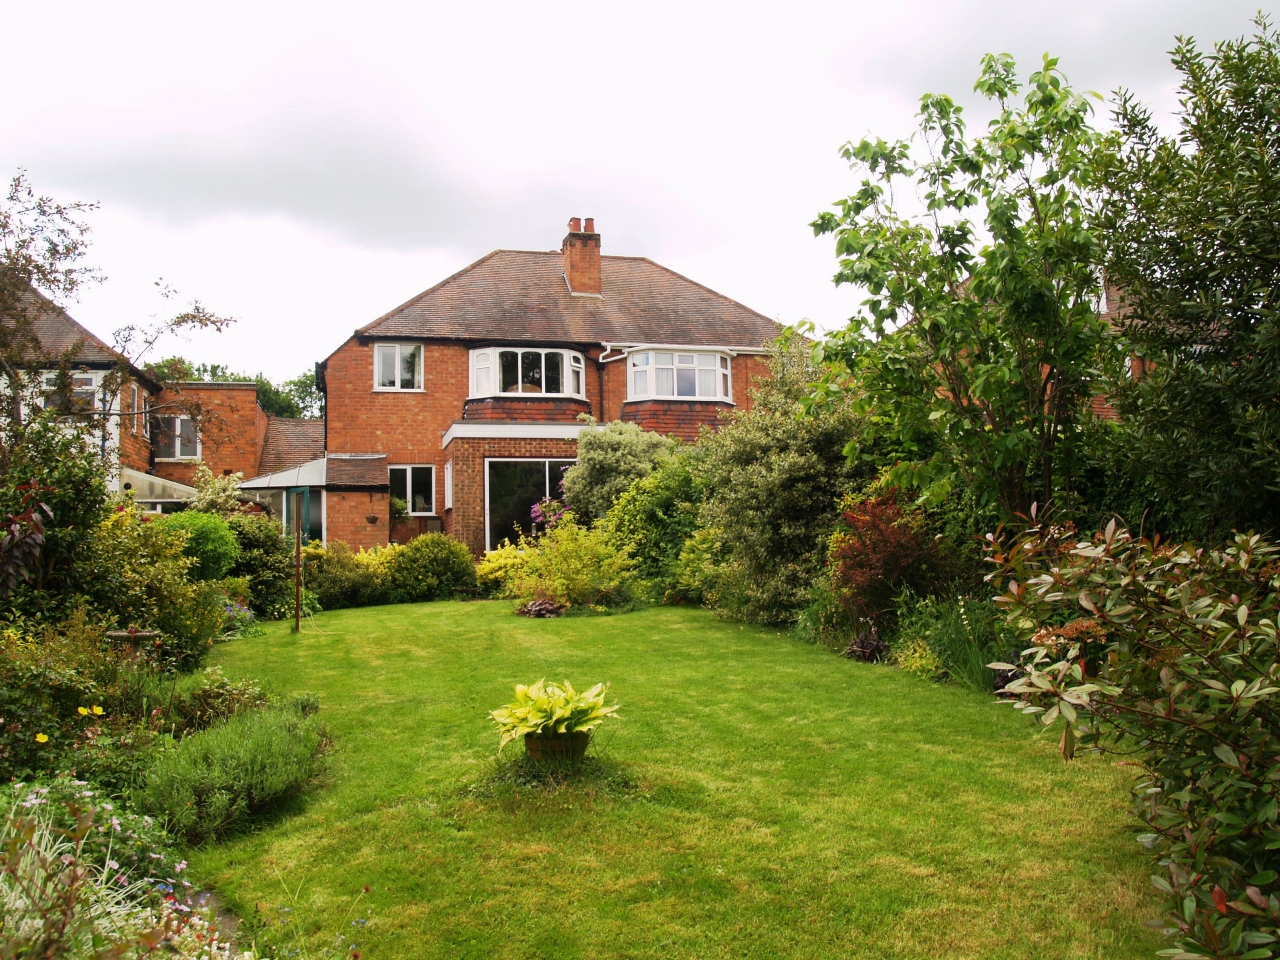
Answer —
1192 226
979 337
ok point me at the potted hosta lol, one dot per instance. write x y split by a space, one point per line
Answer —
555 720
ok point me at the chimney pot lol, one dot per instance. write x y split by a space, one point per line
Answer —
590 225
581 252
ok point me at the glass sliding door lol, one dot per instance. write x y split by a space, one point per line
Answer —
512 489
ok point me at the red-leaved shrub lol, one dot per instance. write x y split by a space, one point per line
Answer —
879 548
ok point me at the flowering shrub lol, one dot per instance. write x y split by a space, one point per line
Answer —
1167 654
133 846
58 900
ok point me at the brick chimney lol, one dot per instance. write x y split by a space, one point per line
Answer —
581 249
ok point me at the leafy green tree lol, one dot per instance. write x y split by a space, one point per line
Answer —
302 390
1192 223
980 334
610 459
274 400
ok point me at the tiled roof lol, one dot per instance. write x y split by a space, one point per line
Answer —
515 294
291 442
356 470
58 332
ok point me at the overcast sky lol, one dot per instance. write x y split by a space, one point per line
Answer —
307 167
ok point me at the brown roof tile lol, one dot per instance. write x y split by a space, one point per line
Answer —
291 442
58 332
515 294
356 470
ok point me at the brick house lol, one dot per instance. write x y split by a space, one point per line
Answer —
151 445
464 402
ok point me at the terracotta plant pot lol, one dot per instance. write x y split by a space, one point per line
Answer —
560 746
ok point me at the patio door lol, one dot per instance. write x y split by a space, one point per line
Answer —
512 489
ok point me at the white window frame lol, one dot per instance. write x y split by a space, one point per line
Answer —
134 393
178 442
645 362
546 461
575 365
398 347
448 484
408 480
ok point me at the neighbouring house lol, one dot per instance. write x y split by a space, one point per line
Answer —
151 443
462 407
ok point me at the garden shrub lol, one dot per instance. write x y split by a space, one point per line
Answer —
197 701
266 561
210 544
211 782
654 518
432 566
961 633
879 548
342 578
573 566
497 567
916 657
610 459
1173 665
771 482
62 469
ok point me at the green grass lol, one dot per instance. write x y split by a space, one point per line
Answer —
761 798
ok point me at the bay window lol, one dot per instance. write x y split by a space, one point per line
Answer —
397 366
416 486
495 370
662 373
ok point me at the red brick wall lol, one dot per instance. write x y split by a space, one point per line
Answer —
347 515
465 521
525 409
135 446
684 418
230 439
747 369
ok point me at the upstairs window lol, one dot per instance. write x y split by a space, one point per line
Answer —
546 372
416 487
176 438
397 366
661 374
76 396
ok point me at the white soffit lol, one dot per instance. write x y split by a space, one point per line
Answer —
513 431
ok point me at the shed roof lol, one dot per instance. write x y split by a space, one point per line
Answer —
291 442
333 471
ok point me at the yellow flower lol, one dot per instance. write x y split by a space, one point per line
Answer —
97 710
83 711
41 738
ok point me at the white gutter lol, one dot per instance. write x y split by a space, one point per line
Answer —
629 348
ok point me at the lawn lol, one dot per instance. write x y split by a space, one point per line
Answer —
760 798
